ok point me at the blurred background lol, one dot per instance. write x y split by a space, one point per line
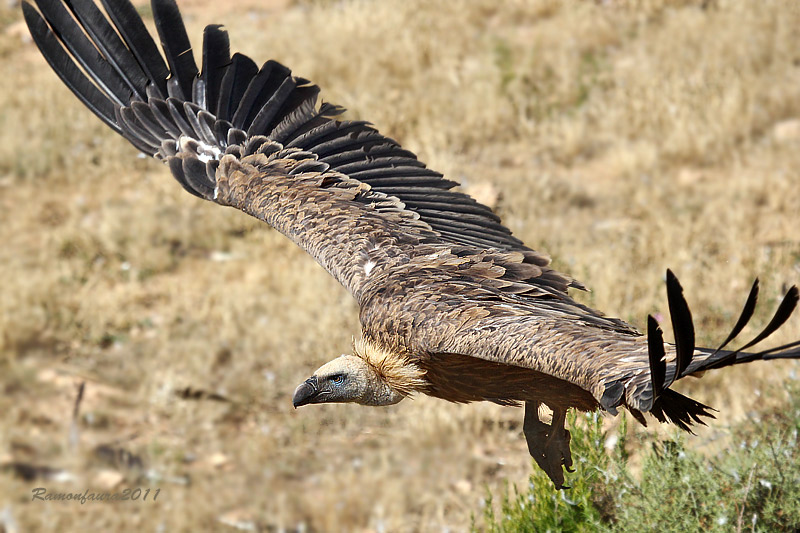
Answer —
619 137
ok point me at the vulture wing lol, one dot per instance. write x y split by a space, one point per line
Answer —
256 139
555 336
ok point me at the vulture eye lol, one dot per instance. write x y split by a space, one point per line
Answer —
337 379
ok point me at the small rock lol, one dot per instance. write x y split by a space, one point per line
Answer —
690 176
239 519
484 192
786 130
19 30
108 479
463 486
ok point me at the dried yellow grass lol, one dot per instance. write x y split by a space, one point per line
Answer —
624 138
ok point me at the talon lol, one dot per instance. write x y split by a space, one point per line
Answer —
548 444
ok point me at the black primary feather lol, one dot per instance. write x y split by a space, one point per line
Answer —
299 113
145 116
234 84
785 310
110 45
744 317
127 117
176 167
195 172
79 46
658 365
682 325
216 61
176 111
133 31
124 65
162 114
271 108
176 45
781 352
63 65
270 76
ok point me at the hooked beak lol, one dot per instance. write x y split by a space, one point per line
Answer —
306 392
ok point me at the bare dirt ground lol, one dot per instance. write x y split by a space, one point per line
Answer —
620 137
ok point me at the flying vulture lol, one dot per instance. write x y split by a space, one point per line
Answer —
451 304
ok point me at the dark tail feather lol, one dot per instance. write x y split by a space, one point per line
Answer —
681 410
684 411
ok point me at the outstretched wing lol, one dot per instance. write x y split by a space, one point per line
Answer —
256 139
466 307
563 339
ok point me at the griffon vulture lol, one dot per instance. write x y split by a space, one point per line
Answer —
451 304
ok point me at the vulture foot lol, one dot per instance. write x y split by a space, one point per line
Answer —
548 444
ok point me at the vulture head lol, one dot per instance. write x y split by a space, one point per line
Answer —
371 376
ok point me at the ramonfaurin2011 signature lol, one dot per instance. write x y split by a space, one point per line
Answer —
137 494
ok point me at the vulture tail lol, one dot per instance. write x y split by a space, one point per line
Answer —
689 360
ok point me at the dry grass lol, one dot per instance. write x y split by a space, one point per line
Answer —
624 137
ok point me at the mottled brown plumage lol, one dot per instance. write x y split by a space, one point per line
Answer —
451 304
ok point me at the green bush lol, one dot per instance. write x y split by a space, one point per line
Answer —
752 486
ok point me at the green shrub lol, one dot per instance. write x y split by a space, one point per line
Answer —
754 485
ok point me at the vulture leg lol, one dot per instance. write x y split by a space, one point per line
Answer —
548 443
